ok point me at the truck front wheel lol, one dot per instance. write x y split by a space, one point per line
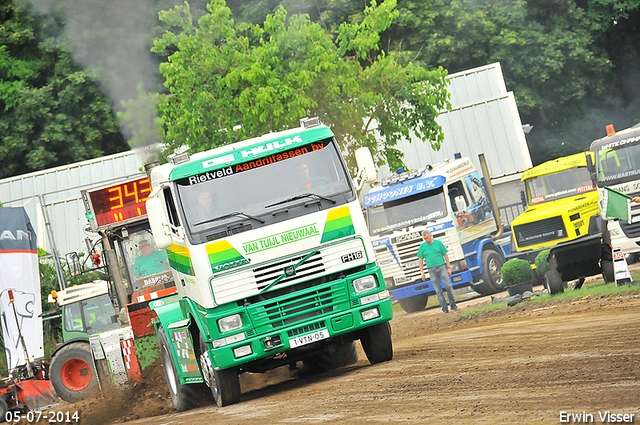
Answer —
184 397
554 282
376 343
608 272
72 373
224 384
491 267
415 303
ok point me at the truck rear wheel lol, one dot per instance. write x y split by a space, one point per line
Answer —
415 303
72 373
341 356
554 282
184 397
376 342
492 280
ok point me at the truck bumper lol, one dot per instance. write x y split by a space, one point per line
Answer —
573 259
578 259
458 280
300 337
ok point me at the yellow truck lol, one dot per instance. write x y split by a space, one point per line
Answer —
561 215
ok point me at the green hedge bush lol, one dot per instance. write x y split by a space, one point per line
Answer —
516 271
542 263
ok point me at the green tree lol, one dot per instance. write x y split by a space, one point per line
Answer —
52 111
229 82
573 65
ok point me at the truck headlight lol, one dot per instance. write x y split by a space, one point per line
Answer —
230 323
458 266
363 284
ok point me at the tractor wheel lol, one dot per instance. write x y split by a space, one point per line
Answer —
184 396
72 372
376 342
554 282
415 303
492 280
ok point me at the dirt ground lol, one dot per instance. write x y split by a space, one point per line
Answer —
524 364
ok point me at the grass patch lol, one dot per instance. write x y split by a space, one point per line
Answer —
588 290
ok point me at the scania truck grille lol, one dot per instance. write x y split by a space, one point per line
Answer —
541 231
403 267
631 231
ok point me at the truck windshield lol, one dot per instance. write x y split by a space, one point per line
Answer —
263 191
410 211
563 184
145 265
92 316
621 163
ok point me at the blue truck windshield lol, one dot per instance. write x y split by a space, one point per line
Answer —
404 212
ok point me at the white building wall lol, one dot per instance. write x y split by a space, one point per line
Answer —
59 190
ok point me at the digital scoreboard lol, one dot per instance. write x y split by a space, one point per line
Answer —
117 204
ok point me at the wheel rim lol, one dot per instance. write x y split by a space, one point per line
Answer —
76 374
214 386
494 272
168 369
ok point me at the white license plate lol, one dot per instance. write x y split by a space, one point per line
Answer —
410 265
308 339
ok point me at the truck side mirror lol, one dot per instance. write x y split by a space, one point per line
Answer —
159 223
591 167
73 262
523 198
366 168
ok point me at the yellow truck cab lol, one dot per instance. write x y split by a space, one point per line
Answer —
561 202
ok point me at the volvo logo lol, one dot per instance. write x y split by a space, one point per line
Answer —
289 271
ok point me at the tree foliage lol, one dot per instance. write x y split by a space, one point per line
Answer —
229 81
52 112
573 65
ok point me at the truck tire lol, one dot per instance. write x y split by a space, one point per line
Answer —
554 282
72 372
4 408
226 388
343 355
376 343
184 397
224 384
492 280
415 303
608 272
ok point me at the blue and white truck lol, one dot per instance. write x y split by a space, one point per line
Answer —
450 200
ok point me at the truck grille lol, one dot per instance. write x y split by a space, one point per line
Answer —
297 303
331 260
547 230
267 274
631 231
405 248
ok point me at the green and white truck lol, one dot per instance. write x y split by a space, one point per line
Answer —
277 273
